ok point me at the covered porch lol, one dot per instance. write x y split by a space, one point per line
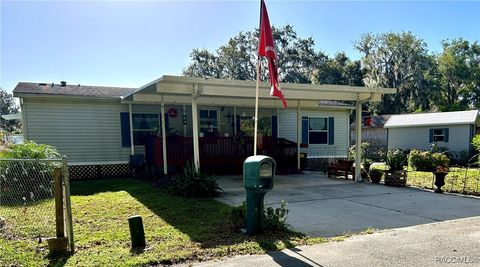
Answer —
210 122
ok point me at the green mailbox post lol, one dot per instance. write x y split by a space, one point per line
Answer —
258 174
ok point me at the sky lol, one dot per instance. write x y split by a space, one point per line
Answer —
130 43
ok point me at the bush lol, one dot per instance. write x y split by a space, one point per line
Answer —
27 181
396 159
276 219
421 160
476 144
440 159
427 161
461 158
363 147
273 218
195 184
30 150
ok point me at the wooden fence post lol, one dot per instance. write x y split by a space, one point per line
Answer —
68 205
59 243
59 215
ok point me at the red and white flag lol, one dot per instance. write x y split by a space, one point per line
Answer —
266 48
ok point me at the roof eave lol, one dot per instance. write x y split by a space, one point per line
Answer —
63 96
427 124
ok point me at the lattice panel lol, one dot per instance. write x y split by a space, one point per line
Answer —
84 172
320 164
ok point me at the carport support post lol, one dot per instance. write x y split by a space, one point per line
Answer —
234 120
196 150
358 140
130 121
164 139
185 122
299 128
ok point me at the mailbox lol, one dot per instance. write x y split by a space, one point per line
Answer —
258 173
258 176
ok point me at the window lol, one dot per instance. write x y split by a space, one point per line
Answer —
144 125
317 131
208 122
438 135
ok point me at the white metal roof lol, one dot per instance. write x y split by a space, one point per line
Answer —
179 89
430 119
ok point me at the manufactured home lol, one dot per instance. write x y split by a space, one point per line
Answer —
451 130
176 119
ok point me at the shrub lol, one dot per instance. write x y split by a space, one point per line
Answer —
363 147
476 144
396 159
276 219
30 150
195 184
27 181
461 158
440 159
427 161
421 160
273 218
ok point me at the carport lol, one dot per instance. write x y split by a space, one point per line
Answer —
226 92
322 206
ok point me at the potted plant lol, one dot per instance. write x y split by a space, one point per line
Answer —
440 173
396 160
434 162
376 175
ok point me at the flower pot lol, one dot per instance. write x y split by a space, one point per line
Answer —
376 177
439 181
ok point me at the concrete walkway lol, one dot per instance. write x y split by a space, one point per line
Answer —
452 243
322 206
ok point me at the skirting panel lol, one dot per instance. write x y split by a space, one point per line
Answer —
84 172
320 164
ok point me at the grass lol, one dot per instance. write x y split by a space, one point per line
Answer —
456 181
177 229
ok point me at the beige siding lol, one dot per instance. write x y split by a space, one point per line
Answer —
288 129
419 137
85 131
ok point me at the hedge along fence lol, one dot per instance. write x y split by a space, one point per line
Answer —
34 194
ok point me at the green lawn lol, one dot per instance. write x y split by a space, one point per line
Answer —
177 229
455 181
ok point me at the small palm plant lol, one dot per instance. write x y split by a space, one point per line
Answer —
192 183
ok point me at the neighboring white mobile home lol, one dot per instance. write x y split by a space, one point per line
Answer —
452 130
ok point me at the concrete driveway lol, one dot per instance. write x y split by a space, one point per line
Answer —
321 206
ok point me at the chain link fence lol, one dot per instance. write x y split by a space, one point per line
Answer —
27 199
458 180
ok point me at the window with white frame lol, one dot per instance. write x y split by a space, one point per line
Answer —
438 135
317 130
144 125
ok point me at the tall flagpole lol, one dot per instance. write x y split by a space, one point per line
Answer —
256 108
255 119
